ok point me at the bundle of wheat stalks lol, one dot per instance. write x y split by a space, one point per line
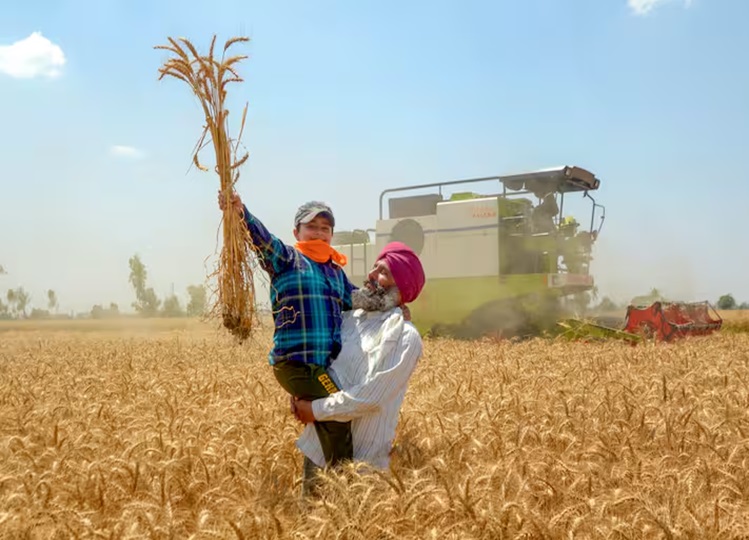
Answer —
208 78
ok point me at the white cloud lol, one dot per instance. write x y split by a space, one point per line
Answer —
643 7
34 56
122 151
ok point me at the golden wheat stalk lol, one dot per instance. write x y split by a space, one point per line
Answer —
208 78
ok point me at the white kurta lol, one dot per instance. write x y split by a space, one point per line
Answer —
379 353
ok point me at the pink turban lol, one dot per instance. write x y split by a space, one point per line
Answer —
406 268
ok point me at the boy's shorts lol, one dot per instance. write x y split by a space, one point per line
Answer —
310 382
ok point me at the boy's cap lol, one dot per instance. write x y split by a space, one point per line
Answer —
308 211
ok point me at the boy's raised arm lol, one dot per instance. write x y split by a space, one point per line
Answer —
273 254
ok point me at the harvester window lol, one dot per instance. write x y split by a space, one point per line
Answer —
544 213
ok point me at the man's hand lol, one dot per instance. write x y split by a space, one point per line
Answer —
236 202
303 410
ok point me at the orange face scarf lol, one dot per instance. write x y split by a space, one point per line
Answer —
321 252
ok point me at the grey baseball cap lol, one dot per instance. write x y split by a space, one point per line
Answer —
309 210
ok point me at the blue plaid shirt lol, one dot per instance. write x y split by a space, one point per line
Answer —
307 298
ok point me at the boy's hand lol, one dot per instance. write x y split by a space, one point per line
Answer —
235 200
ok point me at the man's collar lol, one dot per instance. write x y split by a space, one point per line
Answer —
361 313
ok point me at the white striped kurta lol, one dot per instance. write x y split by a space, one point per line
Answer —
380 351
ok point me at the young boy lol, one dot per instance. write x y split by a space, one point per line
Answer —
309 292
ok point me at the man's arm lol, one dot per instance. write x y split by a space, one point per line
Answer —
366 398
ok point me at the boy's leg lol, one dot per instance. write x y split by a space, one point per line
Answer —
335 439
310 382
310 482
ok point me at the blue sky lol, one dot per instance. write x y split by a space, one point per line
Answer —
349 98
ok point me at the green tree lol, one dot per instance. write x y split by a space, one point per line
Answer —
11 296
52 300
19 300
147 303
149 306
727 301
22 300
172 307
39 314
198 301
138 276
99 312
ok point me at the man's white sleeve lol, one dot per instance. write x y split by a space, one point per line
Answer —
365 398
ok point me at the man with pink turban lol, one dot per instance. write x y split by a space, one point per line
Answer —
379 354
405 267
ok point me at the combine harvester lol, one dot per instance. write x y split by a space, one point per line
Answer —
507 263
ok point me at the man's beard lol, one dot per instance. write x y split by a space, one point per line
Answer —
376 299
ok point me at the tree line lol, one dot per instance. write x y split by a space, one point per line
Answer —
17 301
725 302
147 304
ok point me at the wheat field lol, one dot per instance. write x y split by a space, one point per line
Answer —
116 432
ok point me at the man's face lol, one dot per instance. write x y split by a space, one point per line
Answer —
379 292
317 229
380 275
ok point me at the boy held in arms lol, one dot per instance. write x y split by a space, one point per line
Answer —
309 292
